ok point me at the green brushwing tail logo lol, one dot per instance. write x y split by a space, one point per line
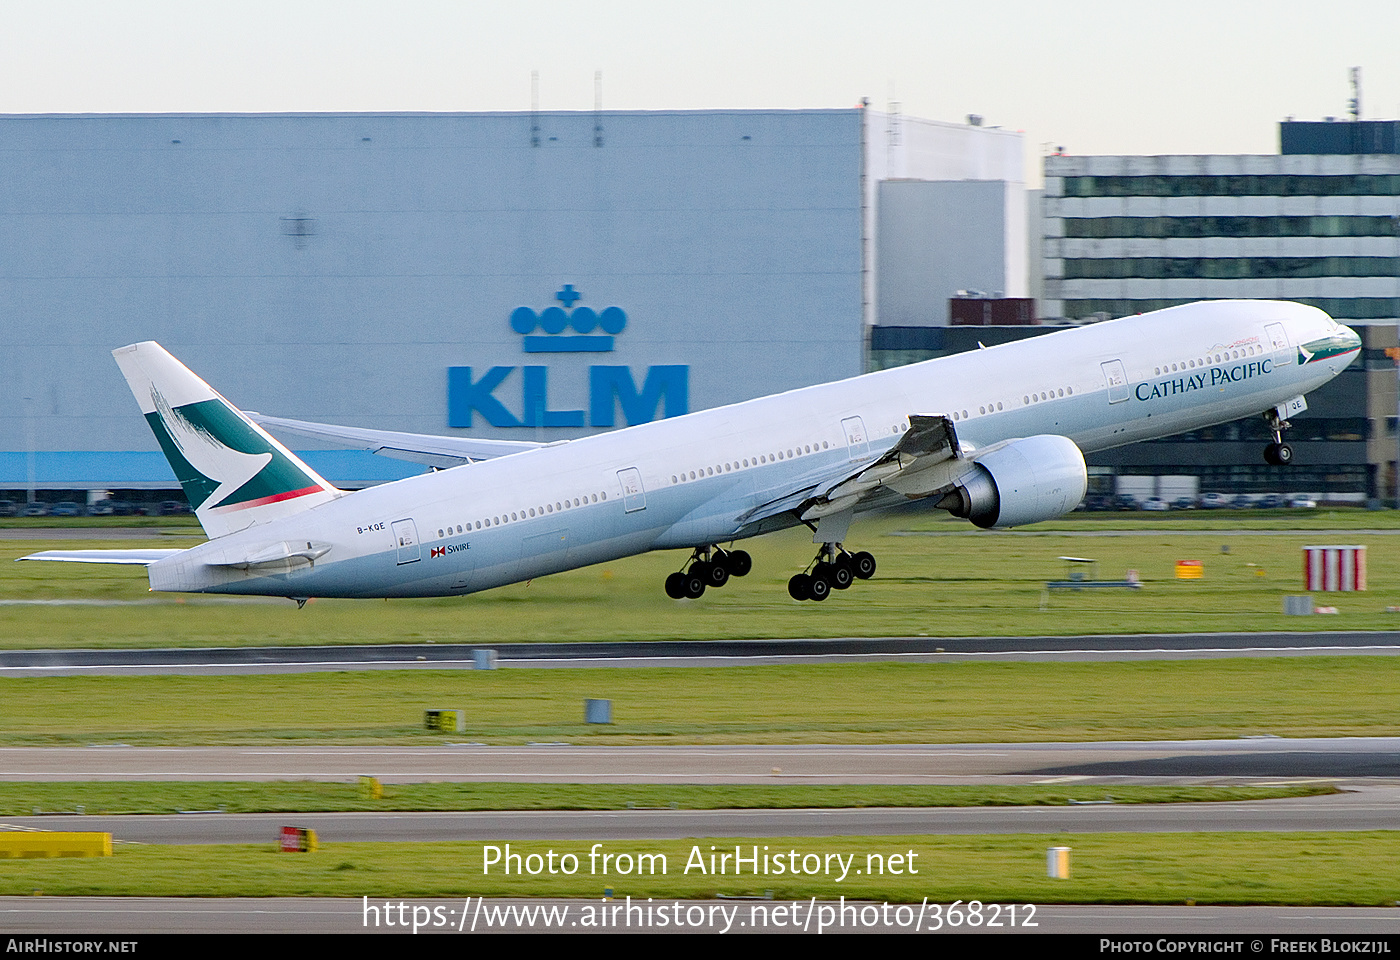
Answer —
220 460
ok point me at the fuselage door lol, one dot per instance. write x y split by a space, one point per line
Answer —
1117 380
1278 342
406 537
634 497
857 441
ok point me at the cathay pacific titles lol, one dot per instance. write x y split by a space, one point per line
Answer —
1198 381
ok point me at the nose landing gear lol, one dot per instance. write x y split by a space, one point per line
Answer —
1278 453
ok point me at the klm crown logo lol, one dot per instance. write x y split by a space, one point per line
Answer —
612 389
554 321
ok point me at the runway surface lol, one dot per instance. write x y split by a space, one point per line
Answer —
1366 808
1366 767
1106 762
686 653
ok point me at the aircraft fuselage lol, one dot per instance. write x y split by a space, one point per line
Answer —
690 481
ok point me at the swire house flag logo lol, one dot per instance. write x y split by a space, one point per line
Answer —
568 328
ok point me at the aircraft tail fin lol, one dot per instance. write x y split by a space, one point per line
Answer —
232 471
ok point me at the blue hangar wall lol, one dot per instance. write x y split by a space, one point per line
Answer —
499 275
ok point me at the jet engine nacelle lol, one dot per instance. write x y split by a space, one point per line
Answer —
1026 481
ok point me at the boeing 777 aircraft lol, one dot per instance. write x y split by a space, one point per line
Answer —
995 436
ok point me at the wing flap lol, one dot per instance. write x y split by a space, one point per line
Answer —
928 441
907 467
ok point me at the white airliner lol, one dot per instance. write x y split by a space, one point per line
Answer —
994 435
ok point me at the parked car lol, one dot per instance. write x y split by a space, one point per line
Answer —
9 508
1125 501
1214 501
102 508
1302 501
1183 503
1241 501
66 508
35 509
1155 504
1270 501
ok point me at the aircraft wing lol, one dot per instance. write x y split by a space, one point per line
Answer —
421 448
142 557
908 468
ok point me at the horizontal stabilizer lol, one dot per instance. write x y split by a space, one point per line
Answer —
142 557
432 451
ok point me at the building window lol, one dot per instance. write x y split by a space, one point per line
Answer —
1273 185
1228 268
1173 227
1340 308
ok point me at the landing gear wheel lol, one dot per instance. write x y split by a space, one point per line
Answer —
675 586
694 586
715 574
832 569
841 574
739 563
1278 453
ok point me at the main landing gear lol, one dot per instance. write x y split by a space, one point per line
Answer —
708 567
1277 453
832 569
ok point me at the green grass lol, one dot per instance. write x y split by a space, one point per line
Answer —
1207 868
19 798
185 524
945 580
823 703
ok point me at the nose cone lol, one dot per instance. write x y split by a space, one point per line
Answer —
1345 347
1351 338
1337 347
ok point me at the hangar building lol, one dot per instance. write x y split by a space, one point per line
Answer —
511 275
